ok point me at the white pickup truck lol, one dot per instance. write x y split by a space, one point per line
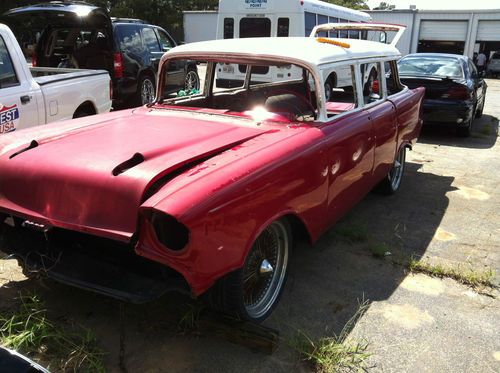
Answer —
34 96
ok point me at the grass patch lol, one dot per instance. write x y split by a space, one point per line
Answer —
353 233
336 353
188 322
379 250
468 277
29 331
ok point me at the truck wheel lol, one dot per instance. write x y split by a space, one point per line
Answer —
390 184
252 292
145 91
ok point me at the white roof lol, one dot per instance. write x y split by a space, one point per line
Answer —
308 50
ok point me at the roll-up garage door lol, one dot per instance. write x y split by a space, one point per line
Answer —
443 30
488 31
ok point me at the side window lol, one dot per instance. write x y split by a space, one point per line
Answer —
310 22
340 92
343 33
322 20
228 28
150 39
283 27
472 68
165 42
8 77
392 78
372 89
130 39
334 33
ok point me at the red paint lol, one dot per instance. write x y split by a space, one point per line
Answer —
251 174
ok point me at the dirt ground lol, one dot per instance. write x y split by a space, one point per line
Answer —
445 213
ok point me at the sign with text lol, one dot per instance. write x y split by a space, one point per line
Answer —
255 4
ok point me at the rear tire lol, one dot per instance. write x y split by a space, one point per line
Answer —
391 183
145 91
479 113
252 292
466 131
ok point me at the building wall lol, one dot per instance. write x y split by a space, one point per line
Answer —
200 26
409 41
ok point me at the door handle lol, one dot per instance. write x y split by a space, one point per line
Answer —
25 99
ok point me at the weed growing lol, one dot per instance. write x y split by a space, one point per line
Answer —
353 233
31 332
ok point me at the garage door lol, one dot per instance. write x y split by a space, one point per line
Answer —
443 30
488 31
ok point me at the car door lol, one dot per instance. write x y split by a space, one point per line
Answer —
350 150
382 114
176 70
153 46
18 102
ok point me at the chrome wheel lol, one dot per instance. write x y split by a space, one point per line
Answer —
396 173
192 81
147 91
265 270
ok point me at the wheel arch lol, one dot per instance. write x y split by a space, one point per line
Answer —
86 107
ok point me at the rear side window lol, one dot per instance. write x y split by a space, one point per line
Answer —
372 88
165 42
150 40
129 39
283 27
8 77
392 78
228 28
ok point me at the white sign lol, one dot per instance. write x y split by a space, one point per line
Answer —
255 4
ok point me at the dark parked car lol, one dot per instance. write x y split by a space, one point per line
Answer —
454 91
84 36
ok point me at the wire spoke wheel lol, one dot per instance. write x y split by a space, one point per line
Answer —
192 81
396 173
265 269
147 91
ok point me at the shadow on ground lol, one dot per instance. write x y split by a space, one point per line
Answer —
484 134
326 282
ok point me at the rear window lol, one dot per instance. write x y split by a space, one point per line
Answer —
431 66
255 27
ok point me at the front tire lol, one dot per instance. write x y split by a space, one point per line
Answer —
252 292
392 181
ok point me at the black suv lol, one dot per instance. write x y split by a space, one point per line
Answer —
81 35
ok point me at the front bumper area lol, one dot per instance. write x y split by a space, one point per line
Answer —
443 112
100 265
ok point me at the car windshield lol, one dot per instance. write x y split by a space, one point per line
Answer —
273 91
430 66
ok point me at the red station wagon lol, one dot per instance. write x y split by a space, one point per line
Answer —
205 190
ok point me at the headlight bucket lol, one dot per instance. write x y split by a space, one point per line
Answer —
169 231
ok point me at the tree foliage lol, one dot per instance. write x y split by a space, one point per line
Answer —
353 4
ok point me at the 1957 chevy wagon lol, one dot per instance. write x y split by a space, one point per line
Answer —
206 190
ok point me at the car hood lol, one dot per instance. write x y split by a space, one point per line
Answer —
95 177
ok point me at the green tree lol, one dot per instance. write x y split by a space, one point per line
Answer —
384 6
353 4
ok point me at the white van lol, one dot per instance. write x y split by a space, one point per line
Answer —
277 18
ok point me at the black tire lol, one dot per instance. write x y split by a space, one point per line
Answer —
82 113
391 183
145 91
234 293
330 83
191 80
465 131
479 113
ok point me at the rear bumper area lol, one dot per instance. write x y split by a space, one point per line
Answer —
446 113
99 265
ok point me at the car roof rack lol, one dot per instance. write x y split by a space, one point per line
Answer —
127 20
